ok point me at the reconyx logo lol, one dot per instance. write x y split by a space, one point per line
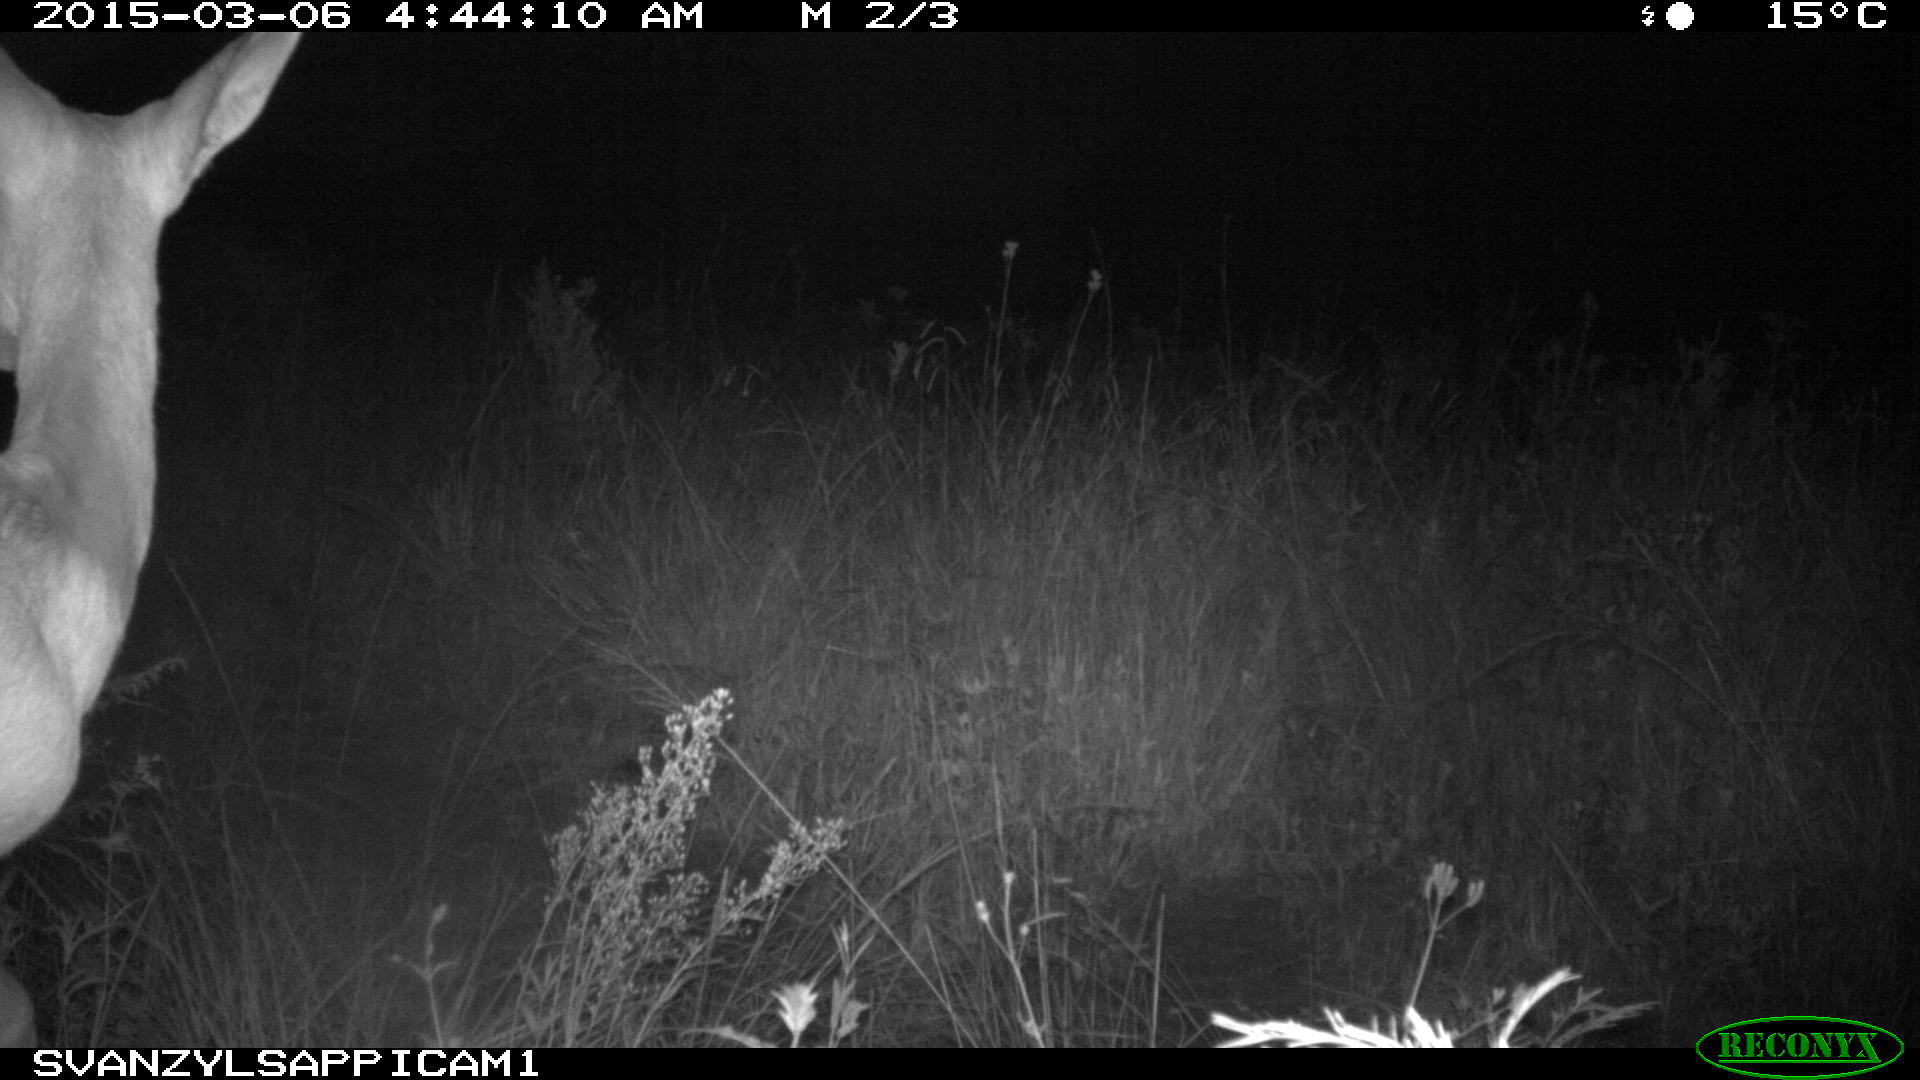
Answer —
1799 1047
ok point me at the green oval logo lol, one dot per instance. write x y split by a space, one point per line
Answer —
1799 1047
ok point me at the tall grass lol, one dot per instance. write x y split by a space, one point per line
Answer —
1141 680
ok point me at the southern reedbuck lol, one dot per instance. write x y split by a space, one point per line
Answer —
82 201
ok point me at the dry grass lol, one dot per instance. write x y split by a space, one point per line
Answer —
1081 638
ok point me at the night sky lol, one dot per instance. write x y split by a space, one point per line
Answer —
1683 178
